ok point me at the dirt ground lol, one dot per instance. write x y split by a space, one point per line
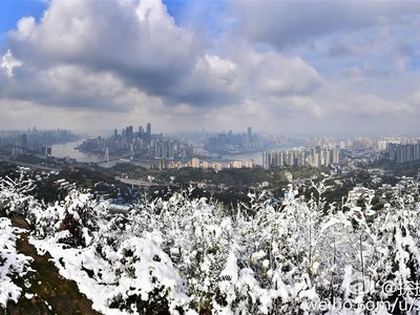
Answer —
52 294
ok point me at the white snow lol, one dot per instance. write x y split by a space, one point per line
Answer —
192 255
12 263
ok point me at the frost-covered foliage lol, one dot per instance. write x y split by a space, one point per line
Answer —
188 256
13 265
15 193
122 272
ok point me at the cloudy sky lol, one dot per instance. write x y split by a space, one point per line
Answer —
313 67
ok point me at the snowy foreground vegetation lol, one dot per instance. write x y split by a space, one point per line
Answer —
183 256
12 264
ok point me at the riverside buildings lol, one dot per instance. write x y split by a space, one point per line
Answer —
139 145
315 157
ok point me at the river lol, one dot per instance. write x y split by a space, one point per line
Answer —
68 149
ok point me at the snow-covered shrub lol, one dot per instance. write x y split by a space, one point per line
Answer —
195 236
76 218
188 256
13 265
147 281
15 194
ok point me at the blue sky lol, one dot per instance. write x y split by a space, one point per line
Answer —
12 10
176 7
351 66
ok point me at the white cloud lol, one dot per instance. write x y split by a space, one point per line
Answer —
9 62
130 58
138 45
26 26
221 69
287 23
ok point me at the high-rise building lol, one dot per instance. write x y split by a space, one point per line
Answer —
148 130
22 141
195 163
46 151
402 153
266 159
129 133
336 155
299 157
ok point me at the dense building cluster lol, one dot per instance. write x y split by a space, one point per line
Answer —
203 164
196 163
402 153
139 145
235 143
32 141
315 157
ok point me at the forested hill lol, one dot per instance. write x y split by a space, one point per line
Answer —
79 254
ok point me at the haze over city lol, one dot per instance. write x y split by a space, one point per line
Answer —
224 157
315 67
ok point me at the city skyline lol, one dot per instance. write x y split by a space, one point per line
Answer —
324 67
181 157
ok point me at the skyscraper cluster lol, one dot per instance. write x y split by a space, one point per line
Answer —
235 142
139 145
315 157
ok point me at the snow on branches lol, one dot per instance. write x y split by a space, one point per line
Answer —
188 256
13 265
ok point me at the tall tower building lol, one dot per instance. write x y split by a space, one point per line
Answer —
266 157
129 133
149 130
22 140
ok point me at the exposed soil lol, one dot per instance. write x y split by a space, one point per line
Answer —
52 294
